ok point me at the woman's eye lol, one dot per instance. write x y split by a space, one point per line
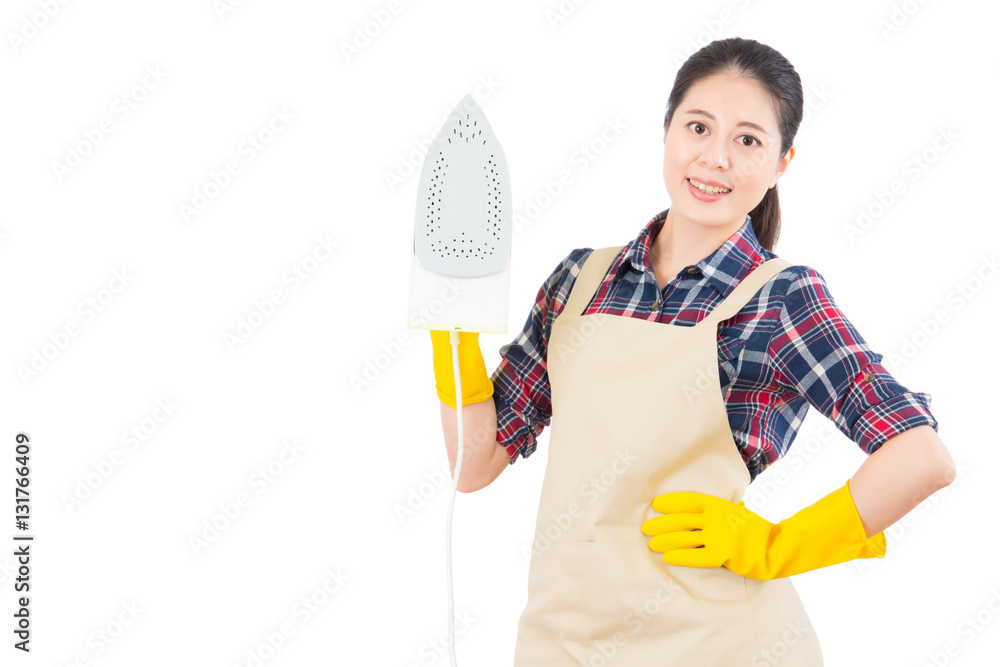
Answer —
750 136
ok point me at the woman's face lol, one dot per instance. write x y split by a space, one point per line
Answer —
706 141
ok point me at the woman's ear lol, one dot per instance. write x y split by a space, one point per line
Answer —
783 165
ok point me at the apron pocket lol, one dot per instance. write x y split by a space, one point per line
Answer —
591 600
585 591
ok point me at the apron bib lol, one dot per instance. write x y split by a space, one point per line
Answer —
638 411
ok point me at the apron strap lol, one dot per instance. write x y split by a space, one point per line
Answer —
592 274
742 293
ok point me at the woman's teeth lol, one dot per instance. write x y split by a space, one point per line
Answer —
710 189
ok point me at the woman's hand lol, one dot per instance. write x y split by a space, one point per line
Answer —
701 530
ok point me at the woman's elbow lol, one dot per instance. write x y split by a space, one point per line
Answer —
942 466
947 471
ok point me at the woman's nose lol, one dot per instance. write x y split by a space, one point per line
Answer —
715 153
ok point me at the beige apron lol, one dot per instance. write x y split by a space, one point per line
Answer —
638 411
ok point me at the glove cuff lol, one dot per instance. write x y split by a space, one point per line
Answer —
826 533
872 547
476 383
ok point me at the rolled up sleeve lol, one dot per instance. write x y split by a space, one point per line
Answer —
817 353
517 429
885 407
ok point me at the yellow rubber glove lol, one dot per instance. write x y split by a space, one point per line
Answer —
476 383
701 530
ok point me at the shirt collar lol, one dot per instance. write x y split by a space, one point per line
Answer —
724 267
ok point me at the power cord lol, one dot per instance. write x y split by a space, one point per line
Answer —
454 490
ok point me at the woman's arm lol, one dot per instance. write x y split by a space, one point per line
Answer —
898 476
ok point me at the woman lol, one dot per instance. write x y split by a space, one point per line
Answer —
644 552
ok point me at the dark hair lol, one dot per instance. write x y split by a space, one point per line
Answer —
773 72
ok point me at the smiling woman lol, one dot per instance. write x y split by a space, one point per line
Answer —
675 369
723 154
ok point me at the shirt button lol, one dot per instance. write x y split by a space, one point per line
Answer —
693 270
869 376
656 306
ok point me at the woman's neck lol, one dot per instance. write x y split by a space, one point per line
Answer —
680 243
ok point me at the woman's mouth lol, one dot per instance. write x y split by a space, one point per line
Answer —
706 192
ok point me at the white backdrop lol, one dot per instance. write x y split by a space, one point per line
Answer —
179 176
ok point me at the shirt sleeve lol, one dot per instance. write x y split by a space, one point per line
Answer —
521 388
818 354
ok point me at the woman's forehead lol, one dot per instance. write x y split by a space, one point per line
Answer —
732 100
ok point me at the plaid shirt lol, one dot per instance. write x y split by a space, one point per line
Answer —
790 347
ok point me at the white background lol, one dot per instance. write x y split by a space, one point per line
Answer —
329 524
